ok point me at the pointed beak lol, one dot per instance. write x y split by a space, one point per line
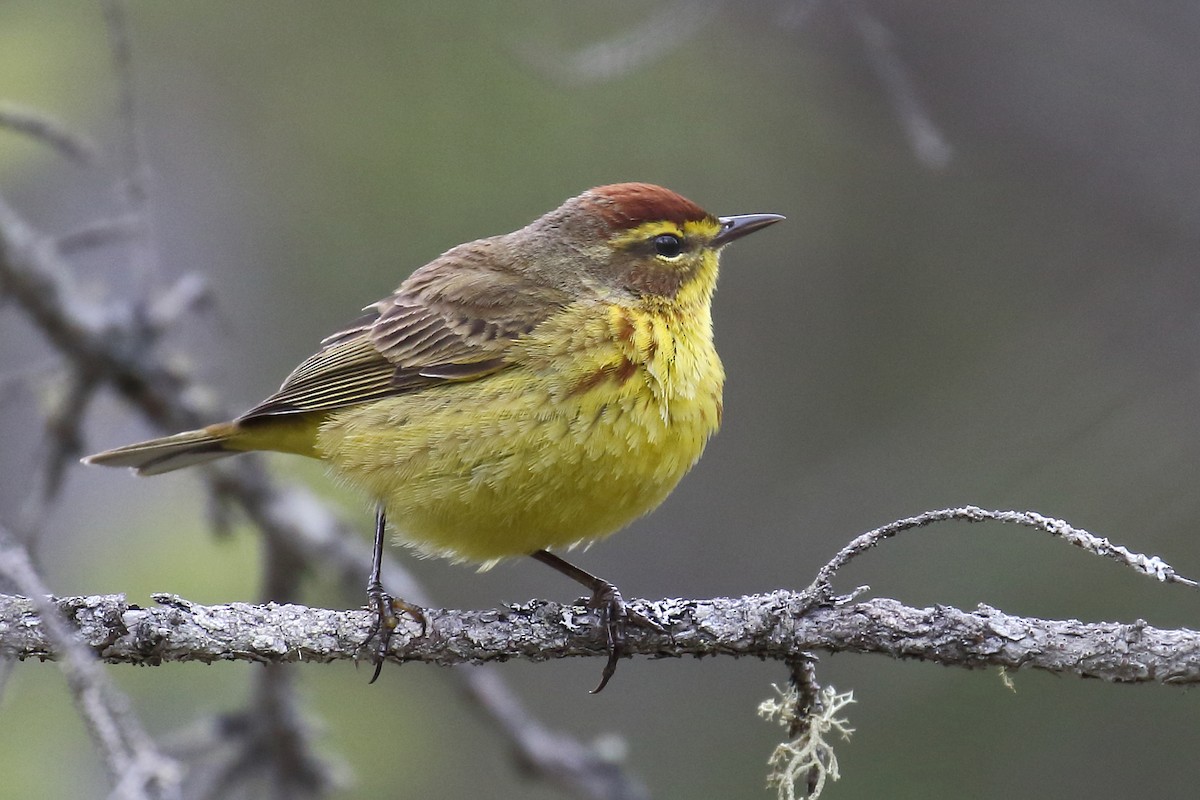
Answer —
739 225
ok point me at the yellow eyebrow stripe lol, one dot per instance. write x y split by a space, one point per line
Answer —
692 229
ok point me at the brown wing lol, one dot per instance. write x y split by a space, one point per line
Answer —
453 320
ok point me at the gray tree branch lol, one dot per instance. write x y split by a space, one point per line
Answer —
780 625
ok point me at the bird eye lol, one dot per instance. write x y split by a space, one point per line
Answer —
668 245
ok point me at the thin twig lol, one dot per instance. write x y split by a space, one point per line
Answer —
49 132
134 186
654 37
803 681
97 233
927 142
1152 566
62 446
811 714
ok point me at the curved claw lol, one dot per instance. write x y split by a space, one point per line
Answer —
609 606
386 622
614 615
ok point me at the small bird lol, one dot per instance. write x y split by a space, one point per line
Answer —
521 393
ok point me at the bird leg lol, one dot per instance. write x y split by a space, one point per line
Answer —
384 604
609 606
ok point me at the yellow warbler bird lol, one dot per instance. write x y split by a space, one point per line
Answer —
534 390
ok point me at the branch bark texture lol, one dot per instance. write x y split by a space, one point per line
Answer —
779 625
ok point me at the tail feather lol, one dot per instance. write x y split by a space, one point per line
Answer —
169 453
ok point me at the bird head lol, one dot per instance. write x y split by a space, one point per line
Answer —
633 241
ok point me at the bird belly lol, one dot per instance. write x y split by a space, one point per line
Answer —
524 459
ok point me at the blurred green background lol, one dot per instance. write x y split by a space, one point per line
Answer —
1014 326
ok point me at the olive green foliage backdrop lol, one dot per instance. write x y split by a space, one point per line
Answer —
1007 317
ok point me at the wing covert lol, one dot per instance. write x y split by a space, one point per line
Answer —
451 321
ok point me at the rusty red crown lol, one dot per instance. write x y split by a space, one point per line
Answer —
627 205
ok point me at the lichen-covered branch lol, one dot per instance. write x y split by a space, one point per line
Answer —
775 625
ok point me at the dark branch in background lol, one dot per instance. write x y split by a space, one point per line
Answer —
582 770
263 750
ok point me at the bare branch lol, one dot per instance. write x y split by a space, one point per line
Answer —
61 446
97 233
49 132
267 745
780 625
1152 566
927 142
652 38
138 769
114 346
134 186
580 769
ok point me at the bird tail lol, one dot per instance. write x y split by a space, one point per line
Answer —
170 453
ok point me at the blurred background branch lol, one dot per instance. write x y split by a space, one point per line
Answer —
137 767
49 132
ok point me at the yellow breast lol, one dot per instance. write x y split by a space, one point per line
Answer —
605 409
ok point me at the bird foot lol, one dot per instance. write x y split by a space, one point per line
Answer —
386 621
614 615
